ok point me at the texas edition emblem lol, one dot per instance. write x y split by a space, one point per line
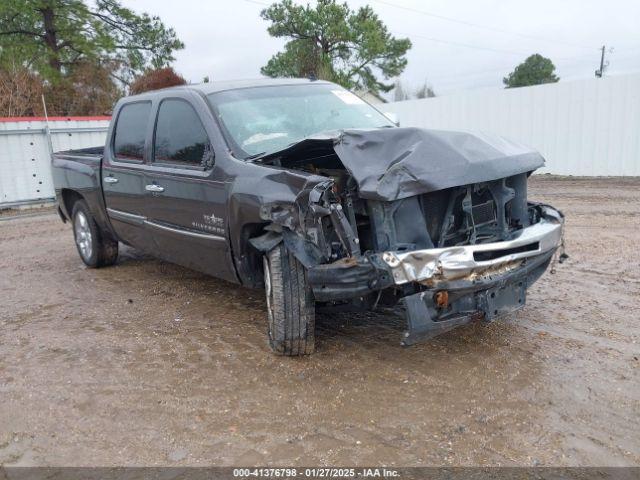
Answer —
210 223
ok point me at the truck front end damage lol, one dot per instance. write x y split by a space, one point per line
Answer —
440 226
440 287
474 282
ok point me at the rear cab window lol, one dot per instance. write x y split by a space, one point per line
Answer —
180 138
130 132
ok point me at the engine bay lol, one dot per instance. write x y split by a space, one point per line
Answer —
349 225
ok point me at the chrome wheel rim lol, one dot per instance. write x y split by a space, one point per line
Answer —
84 241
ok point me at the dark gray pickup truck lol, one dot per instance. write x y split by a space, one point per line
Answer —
303 188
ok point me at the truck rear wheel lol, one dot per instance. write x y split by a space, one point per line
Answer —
290 304
95 248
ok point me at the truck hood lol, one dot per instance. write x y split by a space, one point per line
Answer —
393 163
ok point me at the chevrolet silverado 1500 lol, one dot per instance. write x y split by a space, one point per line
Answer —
302 188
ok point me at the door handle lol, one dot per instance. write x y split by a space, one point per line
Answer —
110 180
154 188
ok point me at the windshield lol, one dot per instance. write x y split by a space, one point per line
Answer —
262 120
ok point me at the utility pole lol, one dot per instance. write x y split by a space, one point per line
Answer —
600 71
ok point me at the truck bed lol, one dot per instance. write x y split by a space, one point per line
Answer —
82 152
79 171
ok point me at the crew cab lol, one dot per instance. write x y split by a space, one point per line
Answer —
303 189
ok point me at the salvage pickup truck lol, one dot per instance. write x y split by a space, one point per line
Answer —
302 188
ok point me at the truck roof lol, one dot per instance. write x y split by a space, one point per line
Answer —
213 87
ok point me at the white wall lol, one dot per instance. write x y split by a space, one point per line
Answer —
25 160
589 127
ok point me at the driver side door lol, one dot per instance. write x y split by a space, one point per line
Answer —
186 195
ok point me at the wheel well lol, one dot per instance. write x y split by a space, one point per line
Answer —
69 198
251 259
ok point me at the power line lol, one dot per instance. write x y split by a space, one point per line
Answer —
439 78
477 25
477 47
458 44
438 40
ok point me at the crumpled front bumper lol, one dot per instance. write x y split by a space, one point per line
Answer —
434 265
482 282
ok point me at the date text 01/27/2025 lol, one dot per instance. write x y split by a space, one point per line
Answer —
321 472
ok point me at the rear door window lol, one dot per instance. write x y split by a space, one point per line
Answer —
180 137
131 128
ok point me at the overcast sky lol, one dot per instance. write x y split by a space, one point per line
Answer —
478 43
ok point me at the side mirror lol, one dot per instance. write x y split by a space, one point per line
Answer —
393 117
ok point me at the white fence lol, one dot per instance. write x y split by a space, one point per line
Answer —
25 157
588 128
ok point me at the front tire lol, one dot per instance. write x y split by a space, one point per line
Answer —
96 249
290 304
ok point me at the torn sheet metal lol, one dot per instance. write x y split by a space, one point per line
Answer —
394 163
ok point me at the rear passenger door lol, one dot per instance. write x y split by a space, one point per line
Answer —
123 173
186 196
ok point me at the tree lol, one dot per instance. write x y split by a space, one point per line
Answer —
53 36
87 89
399 93
20 92
535 70
425 91
156 79
335 43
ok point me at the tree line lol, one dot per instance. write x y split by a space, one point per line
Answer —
83 56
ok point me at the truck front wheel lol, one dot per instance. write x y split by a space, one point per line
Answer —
290 304
95 248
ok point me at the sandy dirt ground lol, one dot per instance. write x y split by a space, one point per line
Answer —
146 363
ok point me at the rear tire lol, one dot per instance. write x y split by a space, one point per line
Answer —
95 247
290 304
